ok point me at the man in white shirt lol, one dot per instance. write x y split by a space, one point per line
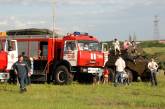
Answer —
116 45
120 66
153 66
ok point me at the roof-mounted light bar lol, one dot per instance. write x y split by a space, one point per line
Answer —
79 33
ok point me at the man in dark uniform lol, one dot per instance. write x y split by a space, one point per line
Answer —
21 69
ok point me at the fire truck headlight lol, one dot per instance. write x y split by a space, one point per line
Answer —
85 70
4 76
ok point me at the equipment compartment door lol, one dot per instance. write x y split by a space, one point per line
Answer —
70 52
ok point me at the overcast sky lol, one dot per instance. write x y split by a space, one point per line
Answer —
106 19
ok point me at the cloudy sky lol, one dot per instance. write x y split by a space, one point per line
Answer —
105 19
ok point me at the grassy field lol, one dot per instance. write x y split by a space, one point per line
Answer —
154 50
77 96
158 51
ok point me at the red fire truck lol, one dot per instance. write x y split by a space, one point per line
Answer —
8 56
75 56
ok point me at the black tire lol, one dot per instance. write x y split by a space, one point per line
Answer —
49 78
130 75
111 75
62 76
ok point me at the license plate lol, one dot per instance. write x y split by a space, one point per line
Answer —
93 70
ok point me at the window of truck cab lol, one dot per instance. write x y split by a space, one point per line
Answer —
70 45
87 45
10 46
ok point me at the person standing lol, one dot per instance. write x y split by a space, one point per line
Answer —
134 47
120 66
126 45
100 74
21 69
153 66
116 45
105 75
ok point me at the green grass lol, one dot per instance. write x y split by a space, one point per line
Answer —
77 96
158 52
146 44
155 50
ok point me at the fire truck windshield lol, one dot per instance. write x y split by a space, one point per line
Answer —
88 45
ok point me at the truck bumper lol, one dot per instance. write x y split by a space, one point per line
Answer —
4 76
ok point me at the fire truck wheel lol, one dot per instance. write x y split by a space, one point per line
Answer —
62 76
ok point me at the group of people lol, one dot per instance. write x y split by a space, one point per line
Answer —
126 45
121 75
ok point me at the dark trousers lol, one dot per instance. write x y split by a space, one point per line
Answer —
22 81
153 78
118 77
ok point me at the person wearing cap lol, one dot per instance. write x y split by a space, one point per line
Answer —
153 66
21 69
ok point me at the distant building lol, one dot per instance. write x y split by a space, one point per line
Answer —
162 41
138 42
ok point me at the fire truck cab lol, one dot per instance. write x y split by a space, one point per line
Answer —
80 56
61 60
8 56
